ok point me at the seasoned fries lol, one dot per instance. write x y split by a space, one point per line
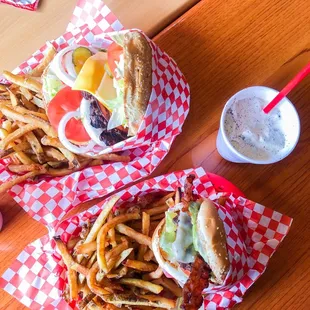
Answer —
27 136
23 81
120 269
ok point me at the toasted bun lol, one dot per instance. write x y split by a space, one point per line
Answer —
212 235
137 78
172 269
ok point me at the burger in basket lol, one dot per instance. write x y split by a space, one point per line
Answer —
151 251
99 97
190 246
77 108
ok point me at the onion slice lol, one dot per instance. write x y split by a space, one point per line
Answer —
64 140
68 63
59 69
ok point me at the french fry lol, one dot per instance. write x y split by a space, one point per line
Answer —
154 275
86 248
13 98
26 93
49 141
35 121
106 209
9 184
140 300
154 288
16 148
24 81
26 168
170 202
54 153
123 256
36 146
110 157
170 285
119 273
162 301
28 105
157 210
138 265
111 233
38 102
73 285
158 217
140 238
22 110
148 255
22 157
50 54
16 135
3 88
91 281
145 231
162 200
102 237
72 242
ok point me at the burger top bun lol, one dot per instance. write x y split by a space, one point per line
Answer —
212 236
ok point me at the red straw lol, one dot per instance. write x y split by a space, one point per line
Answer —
291 85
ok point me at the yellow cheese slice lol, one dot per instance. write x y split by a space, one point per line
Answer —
94 79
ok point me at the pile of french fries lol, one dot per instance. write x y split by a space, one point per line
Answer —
111 265
26 135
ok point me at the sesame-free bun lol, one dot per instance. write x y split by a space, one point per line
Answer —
137 78
212 237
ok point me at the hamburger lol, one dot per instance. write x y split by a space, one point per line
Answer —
99 97
190 246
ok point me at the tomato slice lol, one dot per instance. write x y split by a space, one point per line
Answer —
67 100
114 53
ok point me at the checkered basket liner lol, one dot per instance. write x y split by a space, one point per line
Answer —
254 232
50 199
30 5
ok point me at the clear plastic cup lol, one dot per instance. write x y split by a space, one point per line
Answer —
229 152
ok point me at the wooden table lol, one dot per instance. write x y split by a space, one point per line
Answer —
23 32
222 47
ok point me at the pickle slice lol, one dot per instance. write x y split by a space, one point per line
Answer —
79 56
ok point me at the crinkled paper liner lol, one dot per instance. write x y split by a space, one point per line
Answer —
254 232
48 200
30 5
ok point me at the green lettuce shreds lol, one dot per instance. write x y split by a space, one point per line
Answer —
118 37
52 85
169 233
193 209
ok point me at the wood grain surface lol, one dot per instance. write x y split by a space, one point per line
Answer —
23 32
222 47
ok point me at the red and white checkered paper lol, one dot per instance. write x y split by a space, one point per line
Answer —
50 199
30 5
254 232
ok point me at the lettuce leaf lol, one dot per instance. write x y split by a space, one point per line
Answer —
51 85
169 233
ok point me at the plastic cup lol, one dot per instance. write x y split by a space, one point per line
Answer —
290 117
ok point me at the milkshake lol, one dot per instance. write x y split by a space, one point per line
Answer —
247 134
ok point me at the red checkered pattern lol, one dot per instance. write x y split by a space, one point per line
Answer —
254 232
31 5
48 200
